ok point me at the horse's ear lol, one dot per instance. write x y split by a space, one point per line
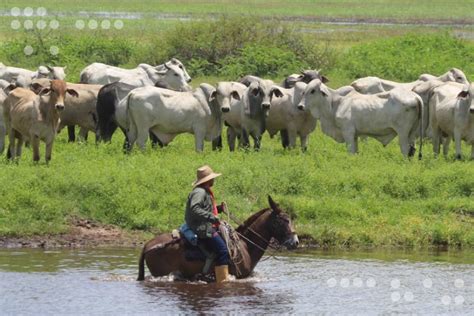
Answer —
273 205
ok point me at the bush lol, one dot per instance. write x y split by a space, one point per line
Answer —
405 58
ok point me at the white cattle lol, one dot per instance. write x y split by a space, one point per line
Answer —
285 115
254 107
23 77
3 84
305 76
172 73
168 113
346 114
452 115
372 85
227 96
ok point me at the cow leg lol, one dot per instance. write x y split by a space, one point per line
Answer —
351 141
217 143
11 144
457 143
245 138
35 143
284 138
257 142
71 133
199 141
19 145
141 138
446 143
231 135
155 141
472 151
436 138
49 150
83 132
404 144
304 142
291 138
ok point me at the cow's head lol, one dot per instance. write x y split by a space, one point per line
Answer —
55 94
224 94
315 95
57 72
265 90
309 75
456 75
175 75
467 97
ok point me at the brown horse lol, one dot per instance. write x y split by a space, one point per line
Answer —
163 256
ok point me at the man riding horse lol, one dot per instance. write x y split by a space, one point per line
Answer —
202 218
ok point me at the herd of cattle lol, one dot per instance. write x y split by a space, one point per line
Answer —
157 102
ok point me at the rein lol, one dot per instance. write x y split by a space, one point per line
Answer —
267 242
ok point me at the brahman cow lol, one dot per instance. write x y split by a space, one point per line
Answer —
346 114
371 85
305 76
31 117
175 77
452 116
79 111
168 113
3 95
172 73
285 116
23 77
228 95
254 107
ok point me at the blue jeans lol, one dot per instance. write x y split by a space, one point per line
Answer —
217 245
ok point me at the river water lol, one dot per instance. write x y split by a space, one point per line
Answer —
102 282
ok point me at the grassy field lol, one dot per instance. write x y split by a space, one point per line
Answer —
376 198
373 199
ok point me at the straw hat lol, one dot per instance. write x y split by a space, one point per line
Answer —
204 174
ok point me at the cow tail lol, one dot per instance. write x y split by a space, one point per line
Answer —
130 125
141 266
421 123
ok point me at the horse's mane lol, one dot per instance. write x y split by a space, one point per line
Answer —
251 219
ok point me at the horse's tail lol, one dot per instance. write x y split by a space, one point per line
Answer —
141 266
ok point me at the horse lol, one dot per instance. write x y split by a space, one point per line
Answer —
165 254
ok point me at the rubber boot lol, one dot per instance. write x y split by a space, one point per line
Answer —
222 273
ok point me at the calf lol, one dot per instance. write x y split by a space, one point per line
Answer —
31 117
347 114
23 77
168 113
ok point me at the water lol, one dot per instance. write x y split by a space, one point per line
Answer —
102 281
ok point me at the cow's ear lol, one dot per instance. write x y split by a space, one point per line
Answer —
324 79
213 95
277 92
44 91
72 92
255 91
235 95
36 87
463 94
9 88
324 91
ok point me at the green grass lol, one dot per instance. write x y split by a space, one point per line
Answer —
373 199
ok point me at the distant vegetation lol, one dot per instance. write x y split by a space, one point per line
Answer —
231 47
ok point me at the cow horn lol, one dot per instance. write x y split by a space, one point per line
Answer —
166 66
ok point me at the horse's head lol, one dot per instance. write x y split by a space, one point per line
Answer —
281 227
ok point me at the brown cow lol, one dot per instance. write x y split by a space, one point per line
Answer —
31 117
79 111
